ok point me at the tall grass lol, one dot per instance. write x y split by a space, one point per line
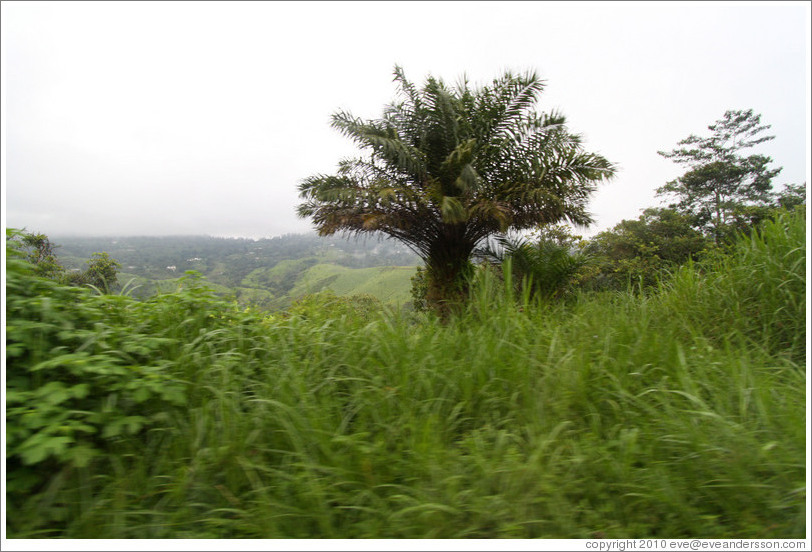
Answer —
679 414
757 294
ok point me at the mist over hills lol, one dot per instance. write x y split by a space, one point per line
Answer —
268 272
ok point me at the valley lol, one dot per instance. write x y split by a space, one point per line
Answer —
266 273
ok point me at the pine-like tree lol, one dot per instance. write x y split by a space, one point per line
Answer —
720 179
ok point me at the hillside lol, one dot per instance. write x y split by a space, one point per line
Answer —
269 273
390 284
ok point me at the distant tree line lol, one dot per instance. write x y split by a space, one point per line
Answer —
140 264
227 261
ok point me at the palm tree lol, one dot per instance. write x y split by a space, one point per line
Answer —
447 167
547 268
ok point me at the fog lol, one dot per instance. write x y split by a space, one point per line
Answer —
158 118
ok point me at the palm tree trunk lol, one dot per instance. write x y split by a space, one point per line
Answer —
448 268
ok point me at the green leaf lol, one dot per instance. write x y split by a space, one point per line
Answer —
41 445
141 394
82 455
53 392
15 350
80 391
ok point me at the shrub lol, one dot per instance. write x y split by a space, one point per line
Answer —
326 305
80 374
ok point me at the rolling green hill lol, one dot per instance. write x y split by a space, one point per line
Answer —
291 279
277 287
389 284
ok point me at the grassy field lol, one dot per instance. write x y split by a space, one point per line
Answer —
292 279
391 285
281 273
677 413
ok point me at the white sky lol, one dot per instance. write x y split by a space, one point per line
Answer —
157 118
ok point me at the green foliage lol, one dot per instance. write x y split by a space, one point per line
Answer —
327 306
101 273
558 234
81 374
793 195
37 249
544 269
757 293
720 179
678 413
419 290
640 251
447 167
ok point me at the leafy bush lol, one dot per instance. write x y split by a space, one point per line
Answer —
326 305
419 290
544 269
101 273
81 373
641 251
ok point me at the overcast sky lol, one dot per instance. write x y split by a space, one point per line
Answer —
157 118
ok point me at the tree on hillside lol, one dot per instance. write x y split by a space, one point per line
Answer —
720 178
446 167
101 273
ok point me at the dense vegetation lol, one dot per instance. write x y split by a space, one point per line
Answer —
675 411
269 273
